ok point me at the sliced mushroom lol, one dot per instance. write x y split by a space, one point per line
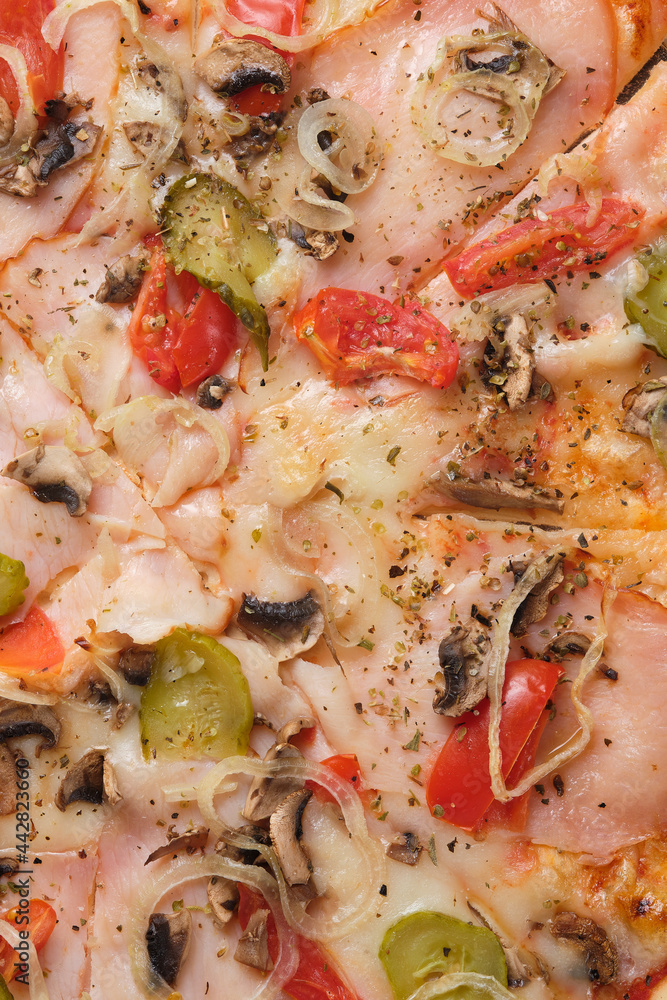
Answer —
462 681
8 866
639 404
54 474
600 953
569 643
91 779
317 244
522 965
256 140
189 842
492 494
223 897
535 606
19 719
168 942
59 146
212 391
136 664
7 781
266 793
166 82
508 360
253 946
406 849
234 64
123 279
285 628
293 728
6 122
246 855
286 832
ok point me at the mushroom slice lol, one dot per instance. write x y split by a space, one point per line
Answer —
253 946
492 494
293 728
6 122
535 606
168 942
286 628
189 842
599 951
7 781
257 140
91 779
245 855
212 391
406 849
508 360
136 664
8 866
54 474
19 719
61 145
266 793
639 405
286 832
223 897
234 64
462 681
569 643
123 279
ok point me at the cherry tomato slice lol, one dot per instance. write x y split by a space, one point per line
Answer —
151 330
206 337
460 782
21 26
346 766
532 250
39 919
355 334
31 646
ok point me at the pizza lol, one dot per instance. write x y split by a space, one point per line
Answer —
333 587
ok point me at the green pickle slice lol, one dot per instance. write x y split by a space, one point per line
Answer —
13 582
426 945
649 306
213 232
197 702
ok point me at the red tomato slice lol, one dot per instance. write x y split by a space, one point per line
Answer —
283 17
31 646
151 328
533 250
355 334
346 766
316 978
460 782
39 919
21 26
207 337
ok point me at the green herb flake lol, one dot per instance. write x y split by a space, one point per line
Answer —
393 454
334 489
414 742
366 644
432 853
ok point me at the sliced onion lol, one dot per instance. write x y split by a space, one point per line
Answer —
37 987
324 17
472 982
24 123
579 169
10 687
355 144
55 24
188 870
474 118
658 428
372 864
293 191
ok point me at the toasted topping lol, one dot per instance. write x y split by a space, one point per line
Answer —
123 279
492 494
7 782
18 719
265 794
136 664
253 946
212 391
189 842
223 898
534 607
640 404
508 360
168 942
406 849
286 628
255 140
286 831
600 953
54 474
91 779
234 64
462 682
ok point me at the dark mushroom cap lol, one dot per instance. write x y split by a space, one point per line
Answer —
234 64
286 832
462 681
599 951
287 628
168 942
253 946
91 779
18 719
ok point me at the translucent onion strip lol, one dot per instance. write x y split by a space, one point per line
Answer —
24 123
353 143
37 987
470 984
188 870
55 25
11 688
579 169
324 17
371 865
293 191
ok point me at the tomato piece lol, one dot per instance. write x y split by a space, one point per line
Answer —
460 782
346 766
355 334
21 26
316 978
31 646
282 16
532 250
39 919
206 338
152 328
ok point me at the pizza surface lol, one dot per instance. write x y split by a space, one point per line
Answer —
333 597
